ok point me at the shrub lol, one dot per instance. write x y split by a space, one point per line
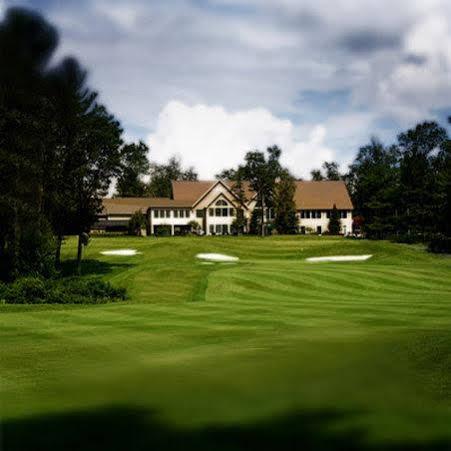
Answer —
406 238
27 290
136 223
334 222
33 290
194 227
440 245
163 230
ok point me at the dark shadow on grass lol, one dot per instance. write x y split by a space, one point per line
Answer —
131 429
91 267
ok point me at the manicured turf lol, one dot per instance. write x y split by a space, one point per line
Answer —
269 353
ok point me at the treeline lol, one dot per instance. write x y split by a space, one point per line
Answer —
403 190
59 148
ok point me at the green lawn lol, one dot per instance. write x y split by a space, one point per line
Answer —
270 353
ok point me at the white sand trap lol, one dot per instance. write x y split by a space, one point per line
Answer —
121 252
217 258
340 258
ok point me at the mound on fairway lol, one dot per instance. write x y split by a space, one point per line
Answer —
340 258
121 252
217 258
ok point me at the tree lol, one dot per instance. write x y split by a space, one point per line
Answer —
316 175
236 177
227 174
194 227
88 153
136 223
334 226
329 171
27 43
255 224
286 221
262 172
374 185
442 168
418 147
162 176
134 166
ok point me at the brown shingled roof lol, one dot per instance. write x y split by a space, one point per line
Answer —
129 205
322 196
308 196
190 191
193 191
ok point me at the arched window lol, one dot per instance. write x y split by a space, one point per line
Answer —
221 203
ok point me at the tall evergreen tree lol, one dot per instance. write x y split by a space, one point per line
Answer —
418 180
27 43
262 172
135 165
286 221
334 226
88 154
374 186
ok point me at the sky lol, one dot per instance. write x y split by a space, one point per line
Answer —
208 80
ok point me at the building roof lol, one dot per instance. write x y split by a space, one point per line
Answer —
129 205
308 196
322 196
190 191
193 191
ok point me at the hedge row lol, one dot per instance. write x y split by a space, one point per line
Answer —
35 290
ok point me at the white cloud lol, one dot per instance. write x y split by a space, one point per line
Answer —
243 54
210 138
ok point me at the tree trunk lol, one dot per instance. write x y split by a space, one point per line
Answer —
79 254
59 241
263 216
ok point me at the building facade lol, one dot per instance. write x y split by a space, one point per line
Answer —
213 206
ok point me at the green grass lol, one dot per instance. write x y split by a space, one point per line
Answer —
270 353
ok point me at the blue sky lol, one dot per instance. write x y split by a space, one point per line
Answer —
210 79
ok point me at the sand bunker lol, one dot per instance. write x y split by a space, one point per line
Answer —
340 258
217 258
121 252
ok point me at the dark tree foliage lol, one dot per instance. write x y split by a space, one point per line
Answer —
162 176
135 165
262 171
442 168
419 179
316 175
374 185
334 226
227 174
136 223
88 152
236 177
285 221
27 43
59 148
404 190
255 223
330 170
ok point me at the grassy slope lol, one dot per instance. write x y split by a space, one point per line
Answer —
357 352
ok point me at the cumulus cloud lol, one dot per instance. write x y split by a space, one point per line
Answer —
211 138
389 60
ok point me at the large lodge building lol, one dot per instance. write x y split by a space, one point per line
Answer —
213 205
